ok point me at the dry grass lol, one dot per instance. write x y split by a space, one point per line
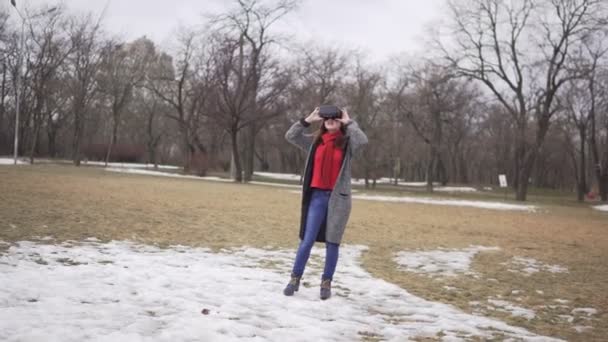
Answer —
75 203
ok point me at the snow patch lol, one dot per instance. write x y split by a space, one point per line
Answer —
130 165
438 201
121 291
166 174
514 310
442 262
283 176
455 189
528 266
585 311
582 328
383 180
280 185
11 161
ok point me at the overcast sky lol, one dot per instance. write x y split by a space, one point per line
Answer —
381 27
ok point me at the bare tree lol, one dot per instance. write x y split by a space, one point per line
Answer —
496 134
3 63
578 109
322 72
362 94
51 47
319 73
186 88
58 110
522 51
241 61
598 131
432 97
595 53
123 68
83 67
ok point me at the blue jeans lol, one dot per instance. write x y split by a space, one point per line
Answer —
317 214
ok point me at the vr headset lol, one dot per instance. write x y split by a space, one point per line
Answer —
330 112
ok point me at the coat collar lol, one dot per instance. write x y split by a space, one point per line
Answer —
331 136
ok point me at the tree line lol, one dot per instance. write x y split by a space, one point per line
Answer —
505 87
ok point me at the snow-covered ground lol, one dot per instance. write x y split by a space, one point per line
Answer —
439 201
436 186
165 174
121 291
505 306
405 199
434 201
452 262
282 176
131 165
528 266
455 189
384 180
11 161
601 207
441 262
280 185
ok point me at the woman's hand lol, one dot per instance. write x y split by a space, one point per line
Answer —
345 119
314 116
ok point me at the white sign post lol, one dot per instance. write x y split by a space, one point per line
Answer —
502 180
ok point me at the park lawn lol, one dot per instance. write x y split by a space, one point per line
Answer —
69 203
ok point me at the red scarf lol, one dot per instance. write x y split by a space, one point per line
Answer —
327 162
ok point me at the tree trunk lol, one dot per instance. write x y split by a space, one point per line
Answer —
51 133
518 162
33 147
430 167
249 151
601 171
440 170
2 98
603 187
77 139
262 158
112 139
582 179
463 169
188 152
236 157
522 184
152 155
603 179
152 141
397 171
527 165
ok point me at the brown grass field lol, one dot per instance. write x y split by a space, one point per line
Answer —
69 203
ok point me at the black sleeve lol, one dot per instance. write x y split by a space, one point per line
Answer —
304 123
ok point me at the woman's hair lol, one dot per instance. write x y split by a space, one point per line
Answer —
340 142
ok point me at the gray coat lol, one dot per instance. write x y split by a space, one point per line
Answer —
339 207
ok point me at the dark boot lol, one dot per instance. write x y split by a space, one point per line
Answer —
293 286
325 289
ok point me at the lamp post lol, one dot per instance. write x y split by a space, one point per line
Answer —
18 76
18 82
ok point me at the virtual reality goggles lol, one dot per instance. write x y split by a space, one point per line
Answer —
330 112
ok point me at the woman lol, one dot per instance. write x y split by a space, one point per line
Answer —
326 190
